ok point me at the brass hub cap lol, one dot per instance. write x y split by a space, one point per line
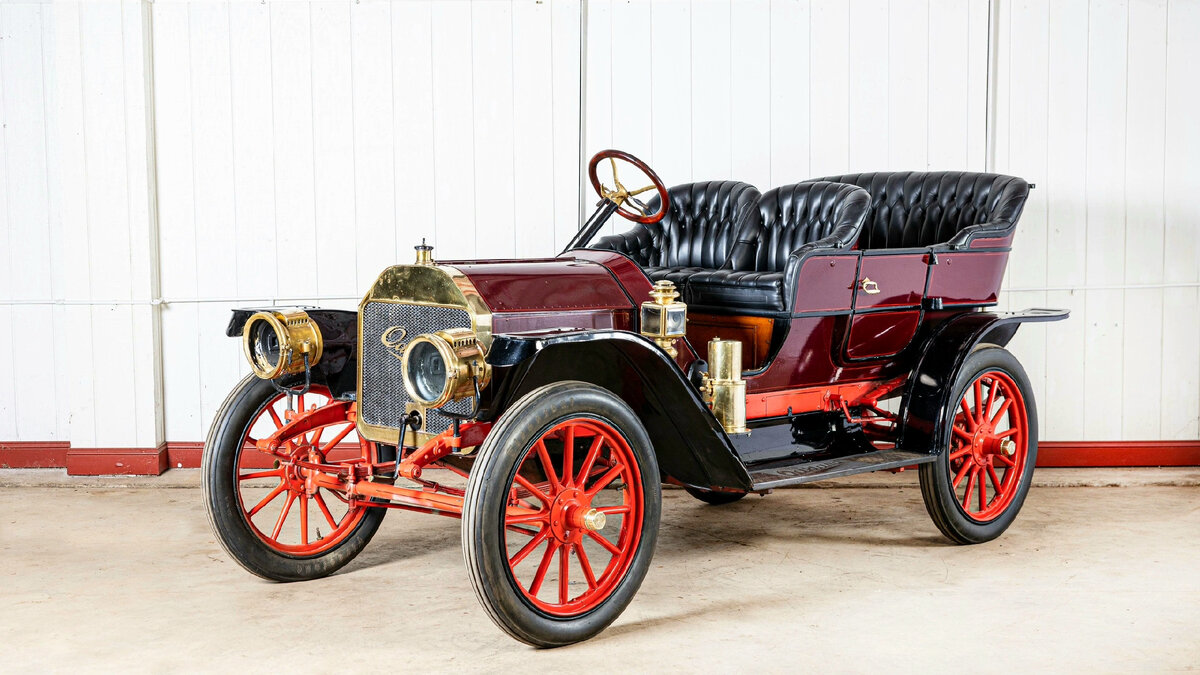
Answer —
571 515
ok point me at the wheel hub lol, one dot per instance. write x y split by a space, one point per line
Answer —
571 515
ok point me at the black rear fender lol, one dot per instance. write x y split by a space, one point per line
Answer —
927 394
689 443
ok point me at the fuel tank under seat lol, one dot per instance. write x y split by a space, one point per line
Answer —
940 209
708 226
795 219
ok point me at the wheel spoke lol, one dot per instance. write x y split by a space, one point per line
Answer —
568 459
1003 409
588 572
324 510
983 500
564 570
533 489
336 439
963 434
613 510
304 518
547 466
995 479
612 548
607 478
979 411
528 548
959 453
590 460
267 500
970 489
1006 460
538 517
542 569
282 517
274 416
1006 433
961 472
967 415
991 398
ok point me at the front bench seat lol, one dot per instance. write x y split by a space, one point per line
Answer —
795 219
947 209
708 225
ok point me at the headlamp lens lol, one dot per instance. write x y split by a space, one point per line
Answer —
426 371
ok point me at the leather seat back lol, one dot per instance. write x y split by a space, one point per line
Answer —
919 209
709 224
807 213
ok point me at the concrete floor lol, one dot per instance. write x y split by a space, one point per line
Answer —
100 578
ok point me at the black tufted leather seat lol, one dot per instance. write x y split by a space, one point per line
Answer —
794 219
943 208
708 225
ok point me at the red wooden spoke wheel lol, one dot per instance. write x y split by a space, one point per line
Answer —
975 489
280 502
989 444
560 514
581 519
266 510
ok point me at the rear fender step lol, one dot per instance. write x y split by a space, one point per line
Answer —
785 473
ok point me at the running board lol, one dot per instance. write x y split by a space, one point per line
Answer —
784 473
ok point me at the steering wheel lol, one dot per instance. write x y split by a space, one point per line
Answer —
622 196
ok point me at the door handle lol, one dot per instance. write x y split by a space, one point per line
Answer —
869 286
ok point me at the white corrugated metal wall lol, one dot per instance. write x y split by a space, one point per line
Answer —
296 148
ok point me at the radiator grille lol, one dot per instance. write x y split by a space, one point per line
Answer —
383 398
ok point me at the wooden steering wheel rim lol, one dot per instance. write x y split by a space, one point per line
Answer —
658 184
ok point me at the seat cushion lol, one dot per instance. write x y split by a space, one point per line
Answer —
676 275
735 289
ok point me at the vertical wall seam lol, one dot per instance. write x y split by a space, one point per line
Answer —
154 233
583 70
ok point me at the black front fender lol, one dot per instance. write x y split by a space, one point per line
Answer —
927 394
690 444
338 366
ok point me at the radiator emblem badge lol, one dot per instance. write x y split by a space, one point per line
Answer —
393 340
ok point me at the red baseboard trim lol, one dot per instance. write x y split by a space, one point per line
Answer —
1118 453
186 455
117 461
33 454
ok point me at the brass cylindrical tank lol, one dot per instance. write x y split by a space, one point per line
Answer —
726 387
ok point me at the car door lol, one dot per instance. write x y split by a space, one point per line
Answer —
888 293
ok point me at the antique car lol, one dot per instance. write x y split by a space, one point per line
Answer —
731 342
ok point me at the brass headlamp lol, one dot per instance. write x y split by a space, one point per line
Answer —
444 366
277 343
664 318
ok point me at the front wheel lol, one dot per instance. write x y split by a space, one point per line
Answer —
264 510
561 514
976 487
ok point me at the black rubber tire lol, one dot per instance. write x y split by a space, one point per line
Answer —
714 497
484 504
936 481
218 470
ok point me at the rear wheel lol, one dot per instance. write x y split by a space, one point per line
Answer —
561 514
976 487
265 514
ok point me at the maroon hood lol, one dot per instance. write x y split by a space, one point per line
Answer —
583 289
